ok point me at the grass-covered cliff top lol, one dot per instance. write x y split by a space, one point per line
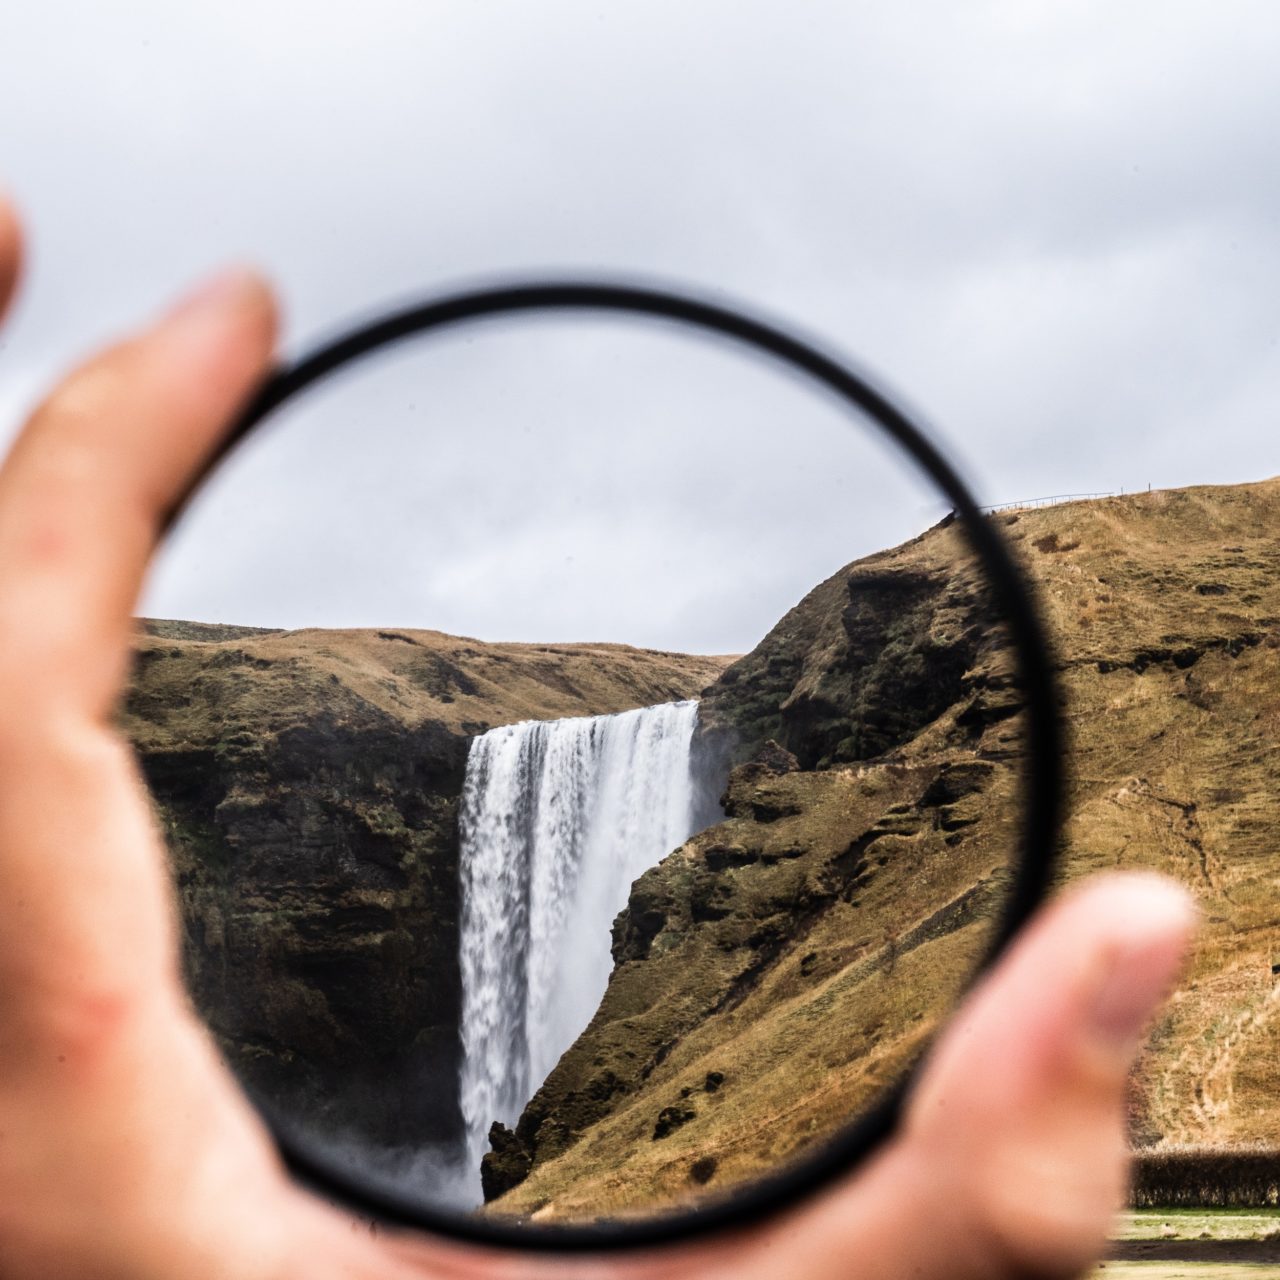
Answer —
194 678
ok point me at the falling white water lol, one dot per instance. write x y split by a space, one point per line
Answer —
558 819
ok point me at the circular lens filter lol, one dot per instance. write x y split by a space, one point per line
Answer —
886 964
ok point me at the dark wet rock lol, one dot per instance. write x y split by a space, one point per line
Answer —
721 856
317 873
956 780
744 793
670 1119
506 1164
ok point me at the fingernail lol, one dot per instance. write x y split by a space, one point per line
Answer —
1142 971
219 293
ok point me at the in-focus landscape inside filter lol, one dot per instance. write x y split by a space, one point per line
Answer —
590 764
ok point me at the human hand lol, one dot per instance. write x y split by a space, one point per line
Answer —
126 1150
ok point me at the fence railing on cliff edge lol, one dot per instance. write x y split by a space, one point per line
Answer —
1051 501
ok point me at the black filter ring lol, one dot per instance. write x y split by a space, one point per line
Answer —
337 1178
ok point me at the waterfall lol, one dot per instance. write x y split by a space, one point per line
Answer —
558 818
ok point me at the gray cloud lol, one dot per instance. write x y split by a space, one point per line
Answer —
1054 227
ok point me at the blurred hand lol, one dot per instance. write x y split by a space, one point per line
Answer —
127 1151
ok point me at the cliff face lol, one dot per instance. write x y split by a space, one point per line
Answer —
778 969
308 783
866 660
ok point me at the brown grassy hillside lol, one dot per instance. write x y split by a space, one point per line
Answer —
190 677
776 970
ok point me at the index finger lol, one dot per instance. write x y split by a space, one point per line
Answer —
84 491
87 912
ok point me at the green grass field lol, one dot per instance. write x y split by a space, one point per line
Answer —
1183 1271
1197 1224
1192 1225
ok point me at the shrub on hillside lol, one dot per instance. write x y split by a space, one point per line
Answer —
1195 1177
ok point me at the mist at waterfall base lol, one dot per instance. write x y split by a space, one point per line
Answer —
558 819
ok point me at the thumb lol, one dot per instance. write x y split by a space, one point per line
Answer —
10 253
1021 1112
1012 1157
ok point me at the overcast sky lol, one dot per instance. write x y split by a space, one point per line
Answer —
1055 228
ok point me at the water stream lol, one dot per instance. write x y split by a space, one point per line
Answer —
558 819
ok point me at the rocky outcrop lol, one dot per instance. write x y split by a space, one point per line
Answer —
506 1164
864 662
307 783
